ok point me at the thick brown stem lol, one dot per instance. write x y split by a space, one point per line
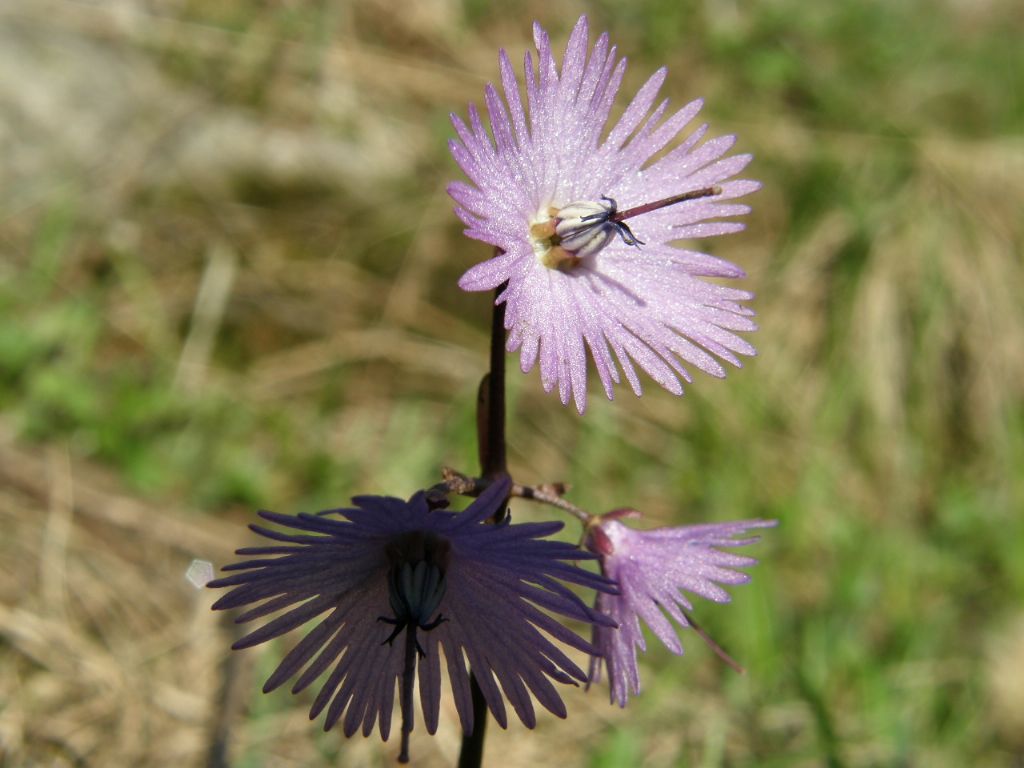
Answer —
490 429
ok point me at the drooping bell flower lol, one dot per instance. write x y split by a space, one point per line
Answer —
654 570
396 582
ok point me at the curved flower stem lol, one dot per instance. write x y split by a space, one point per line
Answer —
719 650
552 496
490 433
407 684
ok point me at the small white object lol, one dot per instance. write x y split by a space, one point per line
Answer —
199 573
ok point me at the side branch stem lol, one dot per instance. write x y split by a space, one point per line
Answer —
552 494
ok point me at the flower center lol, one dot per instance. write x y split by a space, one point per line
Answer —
563 237
415 593
416 582
416 585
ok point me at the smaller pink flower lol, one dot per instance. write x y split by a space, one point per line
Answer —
652 568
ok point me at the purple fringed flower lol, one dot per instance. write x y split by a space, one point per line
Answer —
554 197
446 580
651 569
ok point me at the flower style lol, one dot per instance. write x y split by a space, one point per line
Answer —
553 199
651 568
447 580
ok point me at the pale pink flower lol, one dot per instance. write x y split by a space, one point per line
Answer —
556 192
652 569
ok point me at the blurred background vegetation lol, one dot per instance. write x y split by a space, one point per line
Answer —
227 281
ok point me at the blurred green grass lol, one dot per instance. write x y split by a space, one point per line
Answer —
882 423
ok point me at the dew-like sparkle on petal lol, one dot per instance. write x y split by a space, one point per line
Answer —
556 158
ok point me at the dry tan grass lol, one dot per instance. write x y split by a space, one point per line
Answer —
109 657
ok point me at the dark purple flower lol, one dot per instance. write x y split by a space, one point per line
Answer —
402 580
651 569
584 218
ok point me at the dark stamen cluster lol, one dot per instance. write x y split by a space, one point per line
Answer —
608 217
416 583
